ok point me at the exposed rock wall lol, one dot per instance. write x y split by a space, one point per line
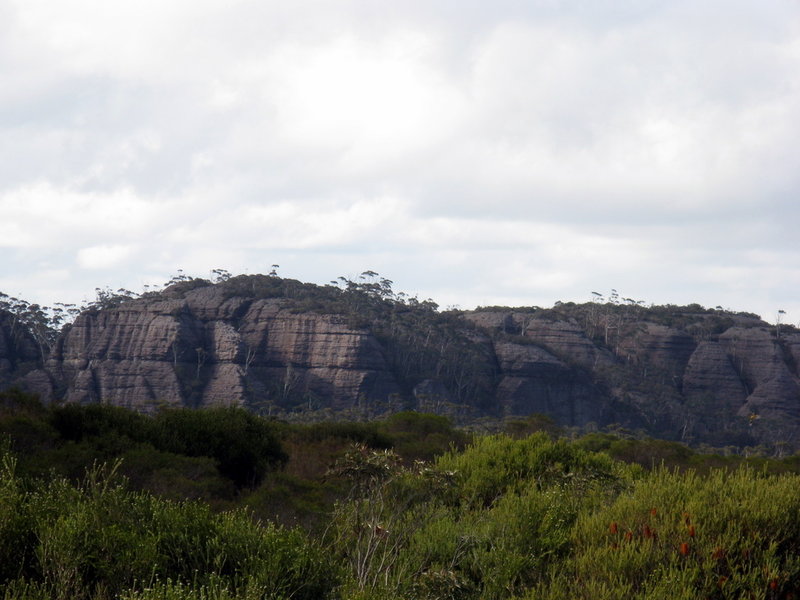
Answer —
712 381
533 380
662 348
207 349
19 352
739 384
721 378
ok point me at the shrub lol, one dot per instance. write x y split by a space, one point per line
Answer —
495 465
100 540
727 535
244 445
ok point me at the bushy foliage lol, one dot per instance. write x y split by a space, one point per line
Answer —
491 517
77 422
100 540
420 436
538 518
496 465
727 535
243 445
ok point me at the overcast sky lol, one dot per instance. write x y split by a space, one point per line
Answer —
476 153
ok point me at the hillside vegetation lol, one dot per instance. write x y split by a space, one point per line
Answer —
99 502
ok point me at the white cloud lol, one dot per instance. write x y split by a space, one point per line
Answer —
43 216
103 257
367 102
515 153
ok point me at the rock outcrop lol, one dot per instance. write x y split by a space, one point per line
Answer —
284 348
739 385
665 349
208 349
535 381
19 352
712 381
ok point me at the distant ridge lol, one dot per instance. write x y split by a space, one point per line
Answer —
357 349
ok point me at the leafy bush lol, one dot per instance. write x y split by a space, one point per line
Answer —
727 535
495 465
244 445
76 422
525 517
100 540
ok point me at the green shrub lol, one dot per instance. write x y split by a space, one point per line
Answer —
362 433
726 535
100 540
76 422
244 445
422 436
495 465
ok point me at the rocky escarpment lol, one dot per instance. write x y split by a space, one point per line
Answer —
285 348
533 380
19 351
713 379
210 349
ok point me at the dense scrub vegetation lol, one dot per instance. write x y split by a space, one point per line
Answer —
97 502
225 456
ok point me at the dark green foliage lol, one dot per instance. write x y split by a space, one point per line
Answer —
28 434
180 453
226 457
293 500
536 422
650 453
100 539
364 433
421 424
177 477
15 401
76 422
421 436
244 445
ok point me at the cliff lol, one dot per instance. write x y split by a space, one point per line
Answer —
693 375
19 352
207 348
302 351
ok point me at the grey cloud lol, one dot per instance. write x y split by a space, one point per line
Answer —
658 130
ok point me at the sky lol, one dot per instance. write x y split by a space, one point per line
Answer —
476 153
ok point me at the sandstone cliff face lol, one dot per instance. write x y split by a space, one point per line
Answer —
569 341
534 381
664 349
767 369
694 376
316 359
206 349
739 383
19 353
564 338
713 388
792 344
